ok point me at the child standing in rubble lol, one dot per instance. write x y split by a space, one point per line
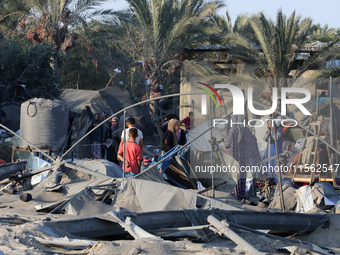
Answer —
131 123
133 154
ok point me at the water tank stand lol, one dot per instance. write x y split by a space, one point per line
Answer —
15 148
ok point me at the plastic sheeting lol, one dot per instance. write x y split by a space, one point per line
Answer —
181 174
101 166
202 143
289 190
304 199
39 163
111 100
84 204
201 161
146 196
324 194
167 162
153 174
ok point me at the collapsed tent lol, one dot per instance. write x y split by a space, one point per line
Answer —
111 100
319 196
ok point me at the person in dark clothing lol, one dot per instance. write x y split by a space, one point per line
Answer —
96 138
104 114
111 143
170 136
69 129
188 121
80 127
181 134
89 112
115 124
181 137
3 117
164 126
107 135
116 138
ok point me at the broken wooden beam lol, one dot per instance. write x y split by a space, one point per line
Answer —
222 228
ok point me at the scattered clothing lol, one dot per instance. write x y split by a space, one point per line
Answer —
241 144
96 150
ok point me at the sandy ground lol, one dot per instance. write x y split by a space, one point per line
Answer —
23 238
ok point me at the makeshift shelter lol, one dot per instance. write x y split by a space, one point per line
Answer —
111 100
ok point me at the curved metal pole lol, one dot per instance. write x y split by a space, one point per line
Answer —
9 130
124 130
185 145
211 152
127 108
187 94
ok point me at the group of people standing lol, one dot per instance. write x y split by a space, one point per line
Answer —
107 141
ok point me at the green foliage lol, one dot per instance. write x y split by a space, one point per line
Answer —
157 32
322 34
153 31
223 26
25 72
275 53
329 71
78 71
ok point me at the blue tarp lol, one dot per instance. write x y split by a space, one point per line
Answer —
167 162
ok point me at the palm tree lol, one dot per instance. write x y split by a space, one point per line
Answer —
322 34
331 70
157 32
50 20
224 25
154 35
274 54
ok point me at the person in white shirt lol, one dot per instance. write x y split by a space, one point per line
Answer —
130 123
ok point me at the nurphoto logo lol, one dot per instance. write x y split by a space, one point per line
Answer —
238 101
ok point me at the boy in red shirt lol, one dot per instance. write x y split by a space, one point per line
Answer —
133 154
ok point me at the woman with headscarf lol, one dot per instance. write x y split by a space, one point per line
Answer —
104 114
106 135
80 127
170 137
96 138
110 143
115 124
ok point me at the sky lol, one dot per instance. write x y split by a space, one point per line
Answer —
321 11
